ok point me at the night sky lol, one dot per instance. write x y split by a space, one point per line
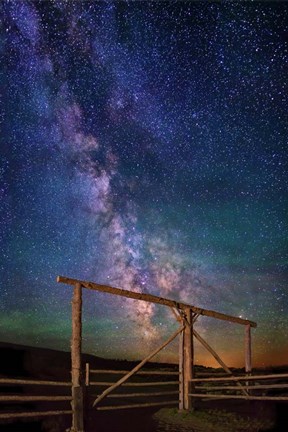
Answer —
144 146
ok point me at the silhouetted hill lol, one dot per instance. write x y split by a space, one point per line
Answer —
45 363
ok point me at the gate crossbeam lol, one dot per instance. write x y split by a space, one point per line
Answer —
154 299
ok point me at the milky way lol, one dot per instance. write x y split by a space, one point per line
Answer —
144 146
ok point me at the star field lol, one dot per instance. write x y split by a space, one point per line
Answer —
144 146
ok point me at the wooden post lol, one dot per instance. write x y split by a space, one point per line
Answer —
181 371
248 355
188 359
87 375
77 390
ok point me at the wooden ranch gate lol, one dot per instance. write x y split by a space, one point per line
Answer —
185 314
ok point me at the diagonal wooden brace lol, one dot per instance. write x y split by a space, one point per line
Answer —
136 368
219 360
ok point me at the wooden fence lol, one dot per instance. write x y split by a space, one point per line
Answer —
185 314
254 387
258 387
155 394
187 386
16 413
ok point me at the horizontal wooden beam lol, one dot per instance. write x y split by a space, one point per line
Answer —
34 382
129 395
21 398
135 384
249 387
213 375
242 378
121 372
154 299
143 405
210 396
33 414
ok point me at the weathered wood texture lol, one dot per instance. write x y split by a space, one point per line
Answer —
143 394
248 351
76 342
188 359
78 409
34 382
212 375
76 339
136 368
154 299
242 378
122 372
87 374
210 396
143 405
254 387
248 354
181 371
183 312
21 398
33 414
134 384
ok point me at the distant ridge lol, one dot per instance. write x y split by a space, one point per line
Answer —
45 363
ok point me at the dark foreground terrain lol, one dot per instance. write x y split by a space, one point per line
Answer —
44 364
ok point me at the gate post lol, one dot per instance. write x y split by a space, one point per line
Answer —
248 353
186 361
181 370
77 388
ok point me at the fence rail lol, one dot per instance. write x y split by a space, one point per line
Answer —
134 384
242 378
20 398
35 414
255 387
207 388
220 396
261 386
143 394
33 398
143 405
127 395
34 382
124 372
